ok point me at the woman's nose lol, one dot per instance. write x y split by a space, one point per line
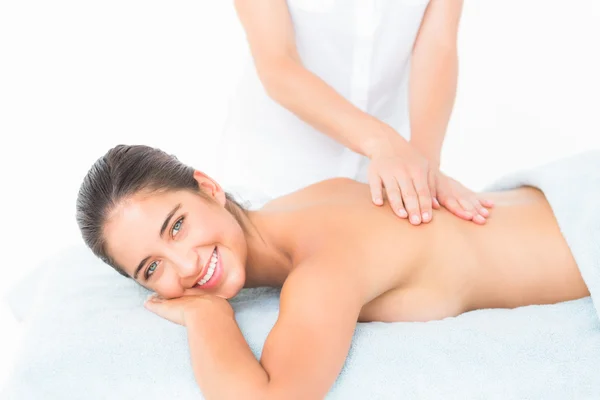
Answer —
186 263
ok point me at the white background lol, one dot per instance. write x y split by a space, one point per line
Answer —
78 77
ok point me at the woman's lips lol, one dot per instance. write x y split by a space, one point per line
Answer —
206 266
216 273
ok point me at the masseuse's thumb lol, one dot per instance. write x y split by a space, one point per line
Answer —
375 185
433 189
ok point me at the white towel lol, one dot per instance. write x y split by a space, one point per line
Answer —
91 339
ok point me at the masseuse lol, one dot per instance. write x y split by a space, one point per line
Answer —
361 89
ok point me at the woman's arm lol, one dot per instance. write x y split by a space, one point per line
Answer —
433 77
302 355
270 34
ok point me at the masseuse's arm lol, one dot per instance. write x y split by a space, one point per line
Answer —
433 76
433 81
270 34
303 354
395 164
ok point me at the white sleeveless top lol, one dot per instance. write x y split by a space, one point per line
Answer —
362 49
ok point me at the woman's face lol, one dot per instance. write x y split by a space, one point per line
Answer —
178 243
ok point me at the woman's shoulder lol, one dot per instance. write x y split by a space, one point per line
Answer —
317 218
326 191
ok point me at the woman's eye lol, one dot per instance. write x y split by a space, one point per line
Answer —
151 269
176 227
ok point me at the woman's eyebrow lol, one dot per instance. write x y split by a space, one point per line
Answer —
139 267
168 219
162 231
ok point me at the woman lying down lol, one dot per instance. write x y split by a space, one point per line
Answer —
338 259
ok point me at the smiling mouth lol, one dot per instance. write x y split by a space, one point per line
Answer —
212 264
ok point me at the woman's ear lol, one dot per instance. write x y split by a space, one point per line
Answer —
210 187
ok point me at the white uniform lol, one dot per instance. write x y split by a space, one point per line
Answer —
362 49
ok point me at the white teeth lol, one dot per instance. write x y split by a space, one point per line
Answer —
211 268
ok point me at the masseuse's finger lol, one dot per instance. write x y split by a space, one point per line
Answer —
376 192
478 219
410 198
479 207
487 203
423 193
451 203
394 196
467 206
433 190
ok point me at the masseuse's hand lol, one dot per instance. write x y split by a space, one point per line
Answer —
459 200
414 188
405 175
176 310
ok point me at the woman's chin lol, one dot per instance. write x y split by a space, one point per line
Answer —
232 285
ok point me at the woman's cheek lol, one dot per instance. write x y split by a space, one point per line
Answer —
169 287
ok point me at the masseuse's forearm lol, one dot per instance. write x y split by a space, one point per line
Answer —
433 80
318 104
223 364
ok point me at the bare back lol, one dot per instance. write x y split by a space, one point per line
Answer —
435 270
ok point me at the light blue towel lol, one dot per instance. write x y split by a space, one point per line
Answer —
572 187
91 339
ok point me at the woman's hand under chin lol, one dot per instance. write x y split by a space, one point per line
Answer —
179 309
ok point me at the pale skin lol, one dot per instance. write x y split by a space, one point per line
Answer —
408 172
339 260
